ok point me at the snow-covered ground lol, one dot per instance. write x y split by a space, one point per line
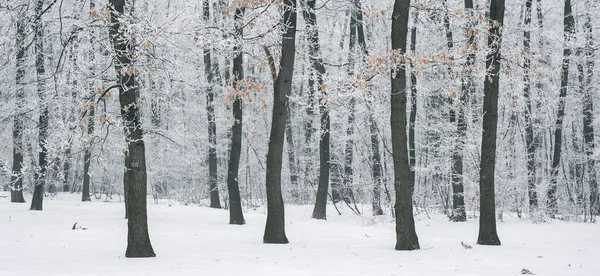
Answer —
192 240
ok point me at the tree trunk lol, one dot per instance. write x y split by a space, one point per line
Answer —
135 178
467 88
487 221
282 88
236 216
588 116
529 132
413 105
16 179
40 174
85 191
569 32
212 126
346 190
376 169
292 161
310 17
406 236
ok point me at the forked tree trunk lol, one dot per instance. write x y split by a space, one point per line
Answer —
413 105
40 174
16 179
569 32
487 222
134 178
406 236
212 126
282 88
236 216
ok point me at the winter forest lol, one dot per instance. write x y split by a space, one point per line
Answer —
459 130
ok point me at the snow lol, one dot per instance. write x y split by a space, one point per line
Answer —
193 240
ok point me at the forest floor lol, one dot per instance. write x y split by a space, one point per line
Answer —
192 240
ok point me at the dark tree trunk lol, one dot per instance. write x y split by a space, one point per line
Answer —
406 236
40 174
467 88
375 154
346 190
529 132
282 88
212 126
569 32
314 50
292 161
413 106
85 191
487 221
236 216
16 180
588 116
135 178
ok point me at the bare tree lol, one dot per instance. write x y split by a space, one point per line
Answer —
282 88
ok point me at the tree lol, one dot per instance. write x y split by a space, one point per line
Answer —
588 113
314 52
406 235
212 126
134 178
487 221
236 216
467 84
40 175
282 88
569 33
85 191
529 133
413 104
16 179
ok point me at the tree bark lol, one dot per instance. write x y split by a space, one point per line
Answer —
487 221
406 236
319 212
40 174
16 179
236 216
212 126
588 116
413 105
282 88
569 32
529 131
85 191
135 178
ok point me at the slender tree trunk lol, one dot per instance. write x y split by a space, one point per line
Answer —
310 17
413 104
85 191
16 179
569 32
588 116
282 88
212 126
236 216
459 213
40 174
529 132
376 170
487 222
346 190
406 236
135 178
